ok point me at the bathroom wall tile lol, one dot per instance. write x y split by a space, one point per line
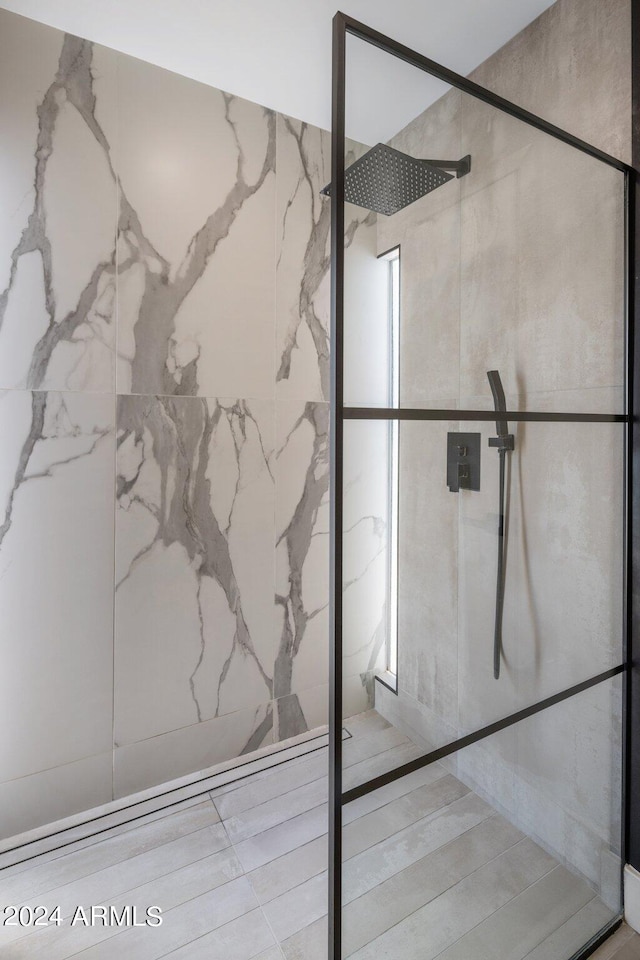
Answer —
302 559
367 356
305 709
301 472
555 67
563 617
189 749
195 575
56 578
365 551
542 288
430 314
50 795
582 738
196 207
436 134
58 197
428 568
303 219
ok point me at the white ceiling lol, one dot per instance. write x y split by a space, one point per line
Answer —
278 52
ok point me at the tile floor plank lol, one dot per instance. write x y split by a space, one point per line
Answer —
43 877
574 932
391 901
240 939
181 925
515 929
104 885
429 930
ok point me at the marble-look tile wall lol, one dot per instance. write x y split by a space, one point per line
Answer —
164 358
519 267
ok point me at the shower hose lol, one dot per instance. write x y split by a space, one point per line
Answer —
497 635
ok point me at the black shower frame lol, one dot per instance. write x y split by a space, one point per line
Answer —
343 25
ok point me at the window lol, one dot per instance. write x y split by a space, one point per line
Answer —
393 399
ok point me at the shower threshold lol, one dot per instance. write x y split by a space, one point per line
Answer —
239 872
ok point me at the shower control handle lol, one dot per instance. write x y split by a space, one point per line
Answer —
463 461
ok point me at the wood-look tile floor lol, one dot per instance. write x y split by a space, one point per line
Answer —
624 944
431 871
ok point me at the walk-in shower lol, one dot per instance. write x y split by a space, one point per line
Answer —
502 825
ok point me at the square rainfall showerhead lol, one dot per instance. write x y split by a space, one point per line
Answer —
385 180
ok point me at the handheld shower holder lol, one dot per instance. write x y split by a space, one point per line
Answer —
503 443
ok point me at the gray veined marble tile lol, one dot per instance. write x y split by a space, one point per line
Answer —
56 537
302 586
303 220
302 278
196 248
197 747
57 252
194 601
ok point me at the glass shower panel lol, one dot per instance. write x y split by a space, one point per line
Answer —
517 265
563 575
507 527
366 559
497 852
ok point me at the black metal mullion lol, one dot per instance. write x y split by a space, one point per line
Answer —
631 792
336 487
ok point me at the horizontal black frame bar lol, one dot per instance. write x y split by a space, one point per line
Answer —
377 39
528 416
365 788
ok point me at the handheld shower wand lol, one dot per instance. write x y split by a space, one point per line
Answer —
499 401
504 443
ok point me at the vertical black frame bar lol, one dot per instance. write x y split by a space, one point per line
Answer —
631 818
343 25
336 427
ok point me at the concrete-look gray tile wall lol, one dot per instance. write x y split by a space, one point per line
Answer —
519 266
164 351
